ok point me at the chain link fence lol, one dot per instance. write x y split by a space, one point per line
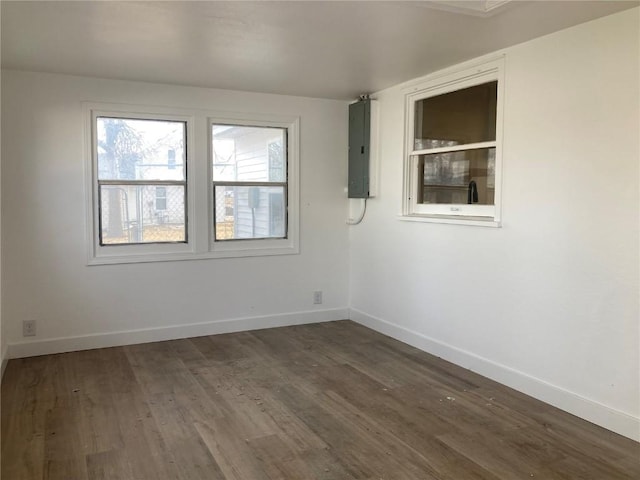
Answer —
225 219
142 214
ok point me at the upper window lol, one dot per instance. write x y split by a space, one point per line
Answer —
156 195
254 185
454 147
142 189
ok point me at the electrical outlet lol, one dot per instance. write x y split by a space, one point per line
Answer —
317 297
29 328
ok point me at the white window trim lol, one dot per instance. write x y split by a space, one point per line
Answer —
200 244
447 81
262 246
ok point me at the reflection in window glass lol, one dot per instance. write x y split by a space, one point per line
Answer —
462 177
457 118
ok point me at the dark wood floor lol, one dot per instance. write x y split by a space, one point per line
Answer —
327 401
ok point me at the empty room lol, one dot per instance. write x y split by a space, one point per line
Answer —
332 240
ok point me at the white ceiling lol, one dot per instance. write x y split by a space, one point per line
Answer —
318 49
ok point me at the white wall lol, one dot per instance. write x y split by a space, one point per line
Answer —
3 360
44 267
549 302
3 342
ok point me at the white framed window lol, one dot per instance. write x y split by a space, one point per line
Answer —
169 184
453 160
254 200
134 156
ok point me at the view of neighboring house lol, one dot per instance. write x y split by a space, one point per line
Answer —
250 162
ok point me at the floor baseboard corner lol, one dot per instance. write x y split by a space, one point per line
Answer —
171 332
4 360
619 422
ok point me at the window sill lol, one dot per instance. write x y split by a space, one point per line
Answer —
178 257
453 220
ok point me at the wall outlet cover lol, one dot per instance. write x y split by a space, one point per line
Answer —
317 297
29 328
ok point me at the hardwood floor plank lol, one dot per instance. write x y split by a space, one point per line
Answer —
63 453
27 385
23 445
64 469
231 454
35 386
109 465
257 410
392 410
566 429
355 441
629 465
325 466
330 401
195 461
176 425
220 348
277 460
89 381
148 454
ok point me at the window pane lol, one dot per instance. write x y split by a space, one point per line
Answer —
131 149
161 198
458 177
249 212
140 214
457 118
248 154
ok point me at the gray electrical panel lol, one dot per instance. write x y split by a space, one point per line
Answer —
359 148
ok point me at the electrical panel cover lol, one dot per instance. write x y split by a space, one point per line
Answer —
359 148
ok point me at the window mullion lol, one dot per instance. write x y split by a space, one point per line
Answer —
143 182
248 184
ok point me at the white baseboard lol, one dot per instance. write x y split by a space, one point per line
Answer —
173 332
4 359
607 417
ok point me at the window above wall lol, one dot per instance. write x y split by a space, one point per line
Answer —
249 174
136 177
148 194
453 160
253 164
